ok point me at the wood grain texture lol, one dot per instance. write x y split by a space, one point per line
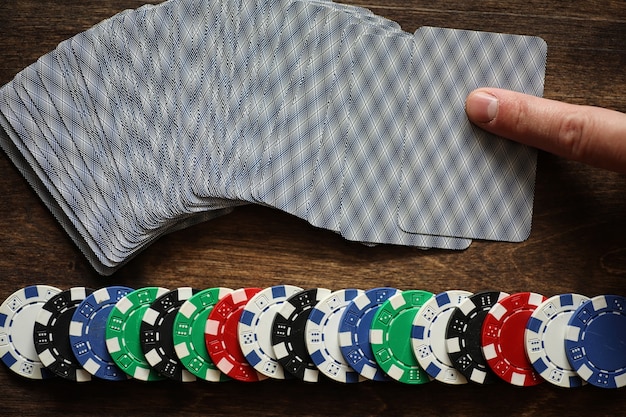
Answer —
578 241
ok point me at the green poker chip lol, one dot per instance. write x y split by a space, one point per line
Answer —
390 336
188 334
122 333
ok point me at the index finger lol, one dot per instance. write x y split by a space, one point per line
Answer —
592 135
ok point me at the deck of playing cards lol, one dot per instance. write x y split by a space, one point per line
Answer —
172 114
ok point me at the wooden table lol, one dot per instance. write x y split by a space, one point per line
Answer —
577 243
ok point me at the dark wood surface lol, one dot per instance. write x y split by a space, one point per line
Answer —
578 242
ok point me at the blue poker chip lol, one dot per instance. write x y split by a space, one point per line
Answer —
354 330
88 333
595 341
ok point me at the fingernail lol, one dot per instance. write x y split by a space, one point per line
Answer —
481 107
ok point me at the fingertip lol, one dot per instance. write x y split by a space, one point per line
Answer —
481 106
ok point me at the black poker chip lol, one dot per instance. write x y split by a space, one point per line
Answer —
51 334
463 336
288 338
156 334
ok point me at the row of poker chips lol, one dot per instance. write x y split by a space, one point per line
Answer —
286 332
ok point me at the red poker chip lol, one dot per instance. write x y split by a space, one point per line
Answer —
502 338
221 336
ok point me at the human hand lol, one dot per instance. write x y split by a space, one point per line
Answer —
592 135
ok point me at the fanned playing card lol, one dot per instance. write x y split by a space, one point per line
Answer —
172 114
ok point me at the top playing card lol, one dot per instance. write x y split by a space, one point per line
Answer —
458 180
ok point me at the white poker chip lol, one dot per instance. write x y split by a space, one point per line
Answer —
18 314
322 336
544 339
255 329
428 336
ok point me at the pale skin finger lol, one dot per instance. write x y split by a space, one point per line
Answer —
592 135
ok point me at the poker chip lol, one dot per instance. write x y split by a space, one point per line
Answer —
544 339
123 329
428 336
288 340
51 334
188 334
221 336
354 331
502 338
88 332
390 336
18 314
595 341
255 329
463 336
156 334
322 336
